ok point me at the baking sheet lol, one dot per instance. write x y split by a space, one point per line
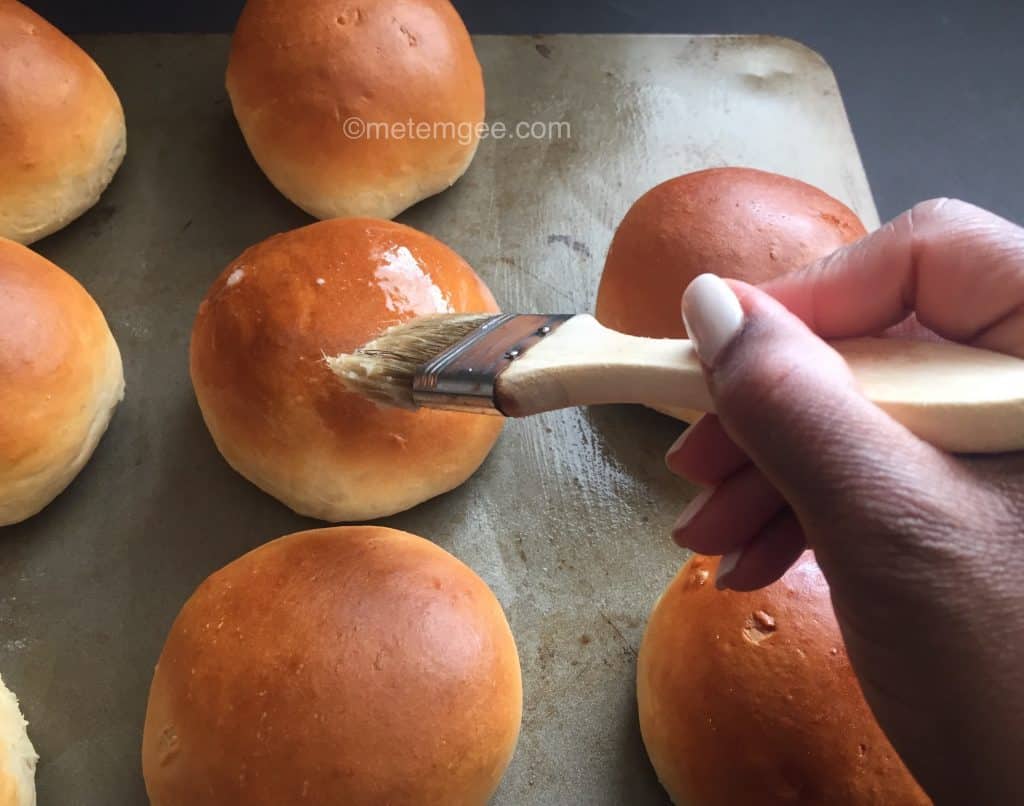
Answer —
567 521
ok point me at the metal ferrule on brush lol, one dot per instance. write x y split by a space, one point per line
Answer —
464 377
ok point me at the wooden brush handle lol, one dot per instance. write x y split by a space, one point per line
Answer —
960 399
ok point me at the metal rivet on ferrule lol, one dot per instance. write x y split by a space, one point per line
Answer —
544 330
511 355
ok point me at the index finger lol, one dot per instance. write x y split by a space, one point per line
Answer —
958 267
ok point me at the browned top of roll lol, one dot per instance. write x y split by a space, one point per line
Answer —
750 698
355 665
60 378
62 132
738 223
299 71
278 414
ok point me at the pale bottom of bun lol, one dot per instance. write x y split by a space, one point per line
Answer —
55 466
338 489
334 506
385 198
35 212
17 756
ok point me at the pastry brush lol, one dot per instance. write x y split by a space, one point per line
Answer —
958 398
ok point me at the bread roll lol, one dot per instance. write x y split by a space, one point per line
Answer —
356 109
62 133
276 412
737 223
352 665
60 380
750 698
17 756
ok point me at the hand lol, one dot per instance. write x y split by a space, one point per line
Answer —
923 551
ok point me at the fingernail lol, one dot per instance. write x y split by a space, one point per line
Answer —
691 510
678 444
726 566
712 314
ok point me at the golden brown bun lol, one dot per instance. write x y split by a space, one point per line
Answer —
737 223
60 380
276 412
750 698
299 70
353 665
62 134
17 756
734 222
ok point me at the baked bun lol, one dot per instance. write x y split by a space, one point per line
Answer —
351 665
17 756
275 410
61 380
737 223
750 698
317 86
62 134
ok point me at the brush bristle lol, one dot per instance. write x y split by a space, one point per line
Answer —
383 370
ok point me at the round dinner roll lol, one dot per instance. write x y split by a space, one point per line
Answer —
17 756
750 698
60 380
275 410
62 133
352 665
356 108
738 223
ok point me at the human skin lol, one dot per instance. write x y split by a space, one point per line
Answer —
923 551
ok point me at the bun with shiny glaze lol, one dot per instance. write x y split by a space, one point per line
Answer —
275 410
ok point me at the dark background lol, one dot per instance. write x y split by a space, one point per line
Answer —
933 89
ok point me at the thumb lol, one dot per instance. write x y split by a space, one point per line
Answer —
791 403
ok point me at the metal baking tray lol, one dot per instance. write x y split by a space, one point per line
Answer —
567 521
